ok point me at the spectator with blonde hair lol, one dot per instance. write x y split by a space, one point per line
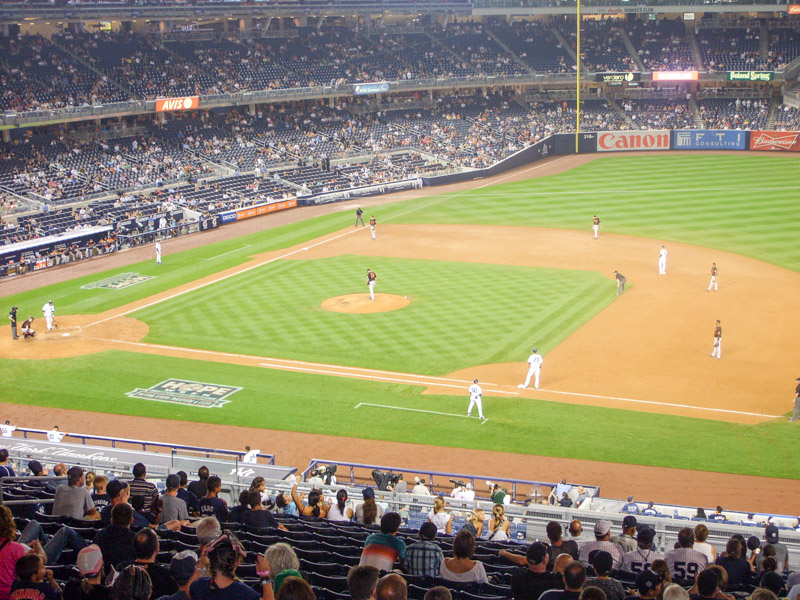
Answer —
474 522
498 524
440 518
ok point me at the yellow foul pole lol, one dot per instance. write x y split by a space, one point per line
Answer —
578 80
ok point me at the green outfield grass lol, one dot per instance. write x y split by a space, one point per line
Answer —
461 314
308 403
744 204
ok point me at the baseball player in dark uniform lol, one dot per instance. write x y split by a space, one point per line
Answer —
717 351
796 411
620 282
27 328
12 316
359 217
713 282
371 279
595 225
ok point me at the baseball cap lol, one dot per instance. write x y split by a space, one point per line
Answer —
182 566
534 350
753 542
646 536
602 562
646 581
368 493
630 498
114 487
35 467
173 482
90 560
629 521
536 552
602 527
427 531
771 534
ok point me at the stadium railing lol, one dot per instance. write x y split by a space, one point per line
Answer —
363 472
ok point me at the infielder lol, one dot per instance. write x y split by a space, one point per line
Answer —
795 412
535 361
662 261
595 225
717 351
713 282
158 253
49 312
251 456
372 223
475 399
620 282
371 279
54 435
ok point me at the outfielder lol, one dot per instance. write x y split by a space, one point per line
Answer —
371 279
372 223
535 361
49 312
713 282
595 225
158 253
475 399
662 261
717 351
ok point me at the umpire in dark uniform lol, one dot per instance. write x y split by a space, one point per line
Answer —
12 316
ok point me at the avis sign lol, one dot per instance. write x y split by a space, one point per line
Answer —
625 141
782 141
189 393
187 103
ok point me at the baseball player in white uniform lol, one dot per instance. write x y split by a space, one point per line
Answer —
716 352
54 435
595 225
535 361
475 399
7 429
158 253
49 312
371 279
251 457
662 261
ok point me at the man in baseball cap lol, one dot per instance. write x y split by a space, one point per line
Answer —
90 564
183 569
644 555
781 551
602 541
532 578
625 540
648 583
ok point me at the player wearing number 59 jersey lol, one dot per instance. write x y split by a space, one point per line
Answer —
640 559
685 562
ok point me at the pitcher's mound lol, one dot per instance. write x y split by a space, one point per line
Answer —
360 303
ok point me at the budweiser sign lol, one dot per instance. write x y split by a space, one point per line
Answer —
620 141
187 103
784 141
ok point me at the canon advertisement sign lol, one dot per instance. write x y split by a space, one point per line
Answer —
786 141
624 141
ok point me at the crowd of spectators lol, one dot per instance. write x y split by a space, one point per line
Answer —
734 114
788 118
124 539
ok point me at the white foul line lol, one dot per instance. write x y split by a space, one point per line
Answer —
229 252
635 401
430 412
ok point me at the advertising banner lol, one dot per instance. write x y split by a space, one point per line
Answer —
380 87
360 192
675 75
624 141
750 75
186 103
793 9
781 141
617 78
708 139
254 211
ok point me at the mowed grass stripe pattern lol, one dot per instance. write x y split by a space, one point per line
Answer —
739 203
461 314
326 405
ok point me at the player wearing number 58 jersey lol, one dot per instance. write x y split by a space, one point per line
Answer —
640 559
685 562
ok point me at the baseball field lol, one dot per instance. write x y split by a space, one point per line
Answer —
468 282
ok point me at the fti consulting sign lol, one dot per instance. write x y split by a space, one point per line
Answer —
189 393
705 139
